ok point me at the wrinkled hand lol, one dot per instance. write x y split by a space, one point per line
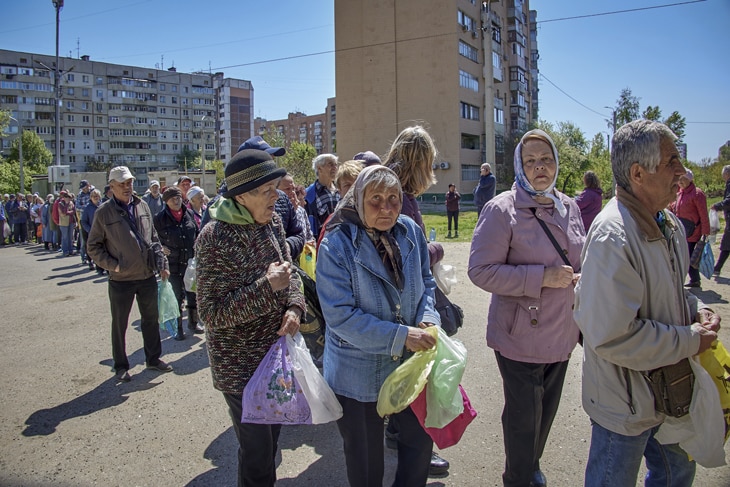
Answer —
707 336
164 274
290 321
708 319
419 340
576 278
278 275
558 276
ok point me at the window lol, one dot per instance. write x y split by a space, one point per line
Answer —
468 80
99 107
72 132
99 146
84 92
85 119
71 158
84 105
499 116
86 132
465 21
72 145
99 133
468 51
162 86
70 91
70 77
100 120
174 99
469 141
84 78
70 118
174 88
69 104
87 145
470 172
163 111
469 112
163 99
517 49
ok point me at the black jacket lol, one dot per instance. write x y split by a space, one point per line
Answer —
178 237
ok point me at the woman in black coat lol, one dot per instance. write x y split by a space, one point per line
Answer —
724 205
177 230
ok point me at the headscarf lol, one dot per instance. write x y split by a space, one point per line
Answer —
521 178
351 209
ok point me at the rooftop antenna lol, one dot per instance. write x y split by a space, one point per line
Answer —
162 62
78 48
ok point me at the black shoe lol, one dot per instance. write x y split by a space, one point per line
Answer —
123 375
538 479
180 336
160 367
438 466
693 284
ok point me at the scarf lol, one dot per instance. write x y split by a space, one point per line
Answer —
521 178
229 211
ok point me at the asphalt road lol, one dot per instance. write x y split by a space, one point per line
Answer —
66 422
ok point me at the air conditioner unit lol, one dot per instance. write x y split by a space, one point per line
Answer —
474 34
59 174
435 165
445 165
464 27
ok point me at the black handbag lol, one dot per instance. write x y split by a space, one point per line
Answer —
672 387
696 257
452 316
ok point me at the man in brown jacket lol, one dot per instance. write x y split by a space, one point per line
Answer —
115 244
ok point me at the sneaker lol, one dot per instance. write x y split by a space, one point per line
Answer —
123 375
160 367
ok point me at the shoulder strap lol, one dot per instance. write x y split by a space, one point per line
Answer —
552 239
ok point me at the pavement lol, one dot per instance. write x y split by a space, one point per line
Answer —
66 422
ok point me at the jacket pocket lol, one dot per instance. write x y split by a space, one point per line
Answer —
526 317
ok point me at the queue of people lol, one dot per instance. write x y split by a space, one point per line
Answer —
556 275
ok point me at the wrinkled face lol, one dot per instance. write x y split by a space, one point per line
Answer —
155 190
184 186
287 186
197 200
327 172
661 186
95 199
175 203
539 163
381 206
260 201
683 181
122 191
344 185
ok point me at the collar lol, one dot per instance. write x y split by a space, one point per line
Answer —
643 218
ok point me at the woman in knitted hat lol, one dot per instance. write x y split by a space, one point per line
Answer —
526 252
177 231
247 297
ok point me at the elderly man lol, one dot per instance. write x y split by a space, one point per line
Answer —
634 313
119 241
153 198
82 200
322 196
486 188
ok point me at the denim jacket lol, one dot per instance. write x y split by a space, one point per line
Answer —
364 343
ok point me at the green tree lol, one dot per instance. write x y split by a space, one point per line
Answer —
676 123
36 157
220 172
188 159
627 108
572 149
298 162
96 165
652 113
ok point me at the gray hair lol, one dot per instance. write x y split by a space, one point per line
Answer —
637 142
95 192
726 170
486 166
321 160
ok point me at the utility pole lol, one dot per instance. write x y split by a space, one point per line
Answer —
58 4
20 153
490 153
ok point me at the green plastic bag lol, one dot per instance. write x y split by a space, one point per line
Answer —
443 398
406 382
167 307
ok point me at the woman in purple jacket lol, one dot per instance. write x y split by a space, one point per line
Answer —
590 201
530 323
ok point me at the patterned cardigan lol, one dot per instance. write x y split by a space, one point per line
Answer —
240 310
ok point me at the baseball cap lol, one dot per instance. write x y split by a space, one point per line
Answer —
120 174
259 143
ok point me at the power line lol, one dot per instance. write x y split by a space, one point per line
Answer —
566 94
619 11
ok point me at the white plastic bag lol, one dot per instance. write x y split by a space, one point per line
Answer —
322 401
714 221
701 433
445 276
191 285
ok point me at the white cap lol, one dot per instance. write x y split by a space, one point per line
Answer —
120 174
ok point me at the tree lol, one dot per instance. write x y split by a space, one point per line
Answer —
188 159
652 113
572 150
97 165
220 173
676 123
36 157
627 108
298 162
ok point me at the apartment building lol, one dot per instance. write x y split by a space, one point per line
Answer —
464 69
299 127
130 115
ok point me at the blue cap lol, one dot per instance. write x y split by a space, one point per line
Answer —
259 143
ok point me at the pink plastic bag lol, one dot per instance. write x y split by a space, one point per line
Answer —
273 395
450 434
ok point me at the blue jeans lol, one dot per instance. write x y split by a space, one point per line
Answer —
614 460
67 233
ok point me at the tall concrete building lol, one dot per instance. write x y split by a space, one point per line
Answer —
129 115
299 127
464 69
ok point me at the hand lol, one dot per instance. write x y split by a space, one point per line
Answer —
290 321
419 340
576 278
707 337
557 277
165 250
278 275
164 274
708 319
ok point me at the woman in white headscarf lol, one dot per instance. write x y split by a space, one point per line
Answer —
530 323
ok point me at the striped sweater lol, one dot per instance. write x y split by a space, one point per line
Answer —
240 310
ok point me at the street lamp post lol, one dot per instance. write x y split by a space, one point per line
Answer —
20 154
58 4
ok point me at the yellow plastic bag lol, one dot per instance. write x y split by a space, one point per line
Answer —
406 382
308 260
716 361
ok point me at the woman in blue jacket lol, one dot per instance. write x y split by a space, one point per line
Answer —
376 293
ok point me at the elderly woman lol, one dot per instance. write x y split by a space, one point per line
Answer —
691 209
49 235
177 230
247 297
376 293
196 198
590 200
530 323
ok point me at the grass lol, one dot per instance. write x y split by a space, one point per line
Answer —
467 222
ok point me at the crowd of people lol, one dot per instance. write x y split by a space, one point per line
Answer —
560 271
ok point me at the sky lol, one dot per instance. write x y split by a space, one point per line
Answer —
673 57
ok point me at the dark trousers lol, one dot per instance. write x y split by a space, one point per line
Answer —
257 445
453 215
531 395
121 297
694 274
361 429
178 287
721 260
21 232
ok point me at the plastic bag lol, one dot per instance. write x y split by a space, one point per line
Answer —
701 432
7 231
308 260
445 276
406 382
714 221
191 285
167 308
450 434
707 263
273 394
443 399
322 401
716 361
